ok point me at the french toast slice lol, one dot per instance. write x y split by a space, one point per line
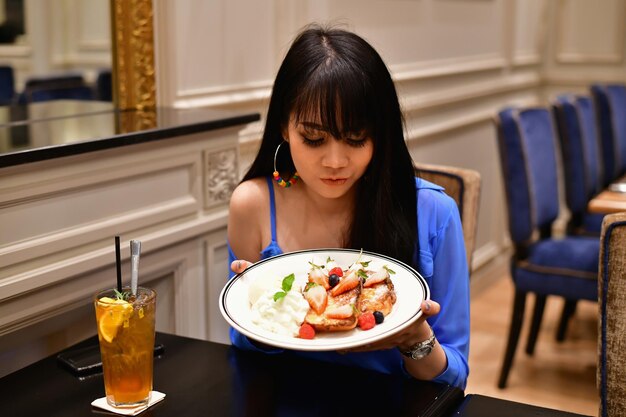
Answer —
379 297
323 323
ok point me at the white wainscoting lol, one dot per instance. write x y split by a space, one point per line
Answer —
58 219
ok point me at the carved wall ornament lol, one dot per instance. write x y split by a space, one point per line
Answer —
221 176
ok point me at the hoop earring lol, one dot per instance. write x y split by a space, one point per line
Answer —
281 182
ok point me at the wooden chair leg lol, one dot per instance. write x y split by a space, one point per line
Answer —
517 317
569 308
540 303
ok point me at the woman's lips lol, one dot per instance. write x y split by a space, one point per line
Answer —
334 181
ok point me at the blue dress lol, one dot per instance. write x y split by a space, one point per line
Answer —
443 264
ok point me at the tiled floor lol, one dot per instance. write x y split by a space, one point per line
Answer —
559 375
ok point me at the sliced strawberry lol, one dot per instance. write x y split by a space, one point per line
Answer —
306 331
341 312
367 320
317 298
376 277
346 284
317 276
337 271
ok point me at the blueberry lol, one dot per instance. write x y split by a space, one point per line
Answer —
379 317
333 280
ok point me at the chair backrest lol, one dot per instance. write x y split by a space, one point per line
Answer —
69 93
576 122
69 85
610 103
527 147
104 85
611 372
7 85
463 185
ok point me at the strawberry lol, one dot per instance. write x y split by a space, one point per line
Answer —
367 320
337 271
346 284
317 276
317 297
306 331
341 312
376 277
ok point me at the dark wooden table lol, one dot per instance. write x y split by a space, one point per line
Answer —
482 406
202 378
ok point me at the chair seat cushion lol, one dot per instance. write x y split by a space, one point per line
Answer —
567 267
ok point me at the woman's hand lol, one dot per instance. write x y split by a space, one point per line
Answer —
239 265
413 334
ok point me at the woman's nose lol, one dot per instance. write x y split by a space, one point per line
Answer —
336 155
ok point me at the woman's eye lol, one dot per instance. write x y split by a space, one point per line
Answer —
357 143
313 142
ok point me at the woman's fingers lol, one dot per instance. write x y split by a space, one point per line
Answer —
430 308
408 335
239 265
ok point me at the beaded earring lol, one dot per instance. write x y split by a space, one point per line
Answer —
281 182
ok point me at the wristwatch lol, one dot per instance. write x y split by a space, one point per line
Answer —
421 349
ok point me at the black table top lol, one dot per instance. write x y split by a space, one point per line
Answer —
202 378
482 406
54 129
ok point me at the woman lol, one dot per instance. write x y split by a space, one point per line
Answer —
343 177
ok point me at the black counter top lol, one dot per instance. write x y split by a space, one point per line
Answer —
57 129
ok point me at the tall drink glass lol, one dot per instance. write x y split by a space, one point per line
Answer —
126 335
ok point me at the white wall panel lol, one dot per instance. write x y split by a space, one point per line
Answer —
587 33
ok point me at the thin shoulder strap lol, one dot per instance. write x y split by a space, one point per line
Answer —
270 186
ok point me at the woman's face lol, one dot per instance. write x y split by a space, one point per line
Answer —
328 166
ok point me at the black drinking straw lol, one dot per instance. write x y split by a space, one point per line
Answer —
118 263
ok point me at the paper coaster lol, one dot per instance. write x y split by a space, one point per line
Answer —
155 397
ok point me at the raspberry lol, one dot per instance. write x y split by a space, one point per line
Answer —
306 331
367 320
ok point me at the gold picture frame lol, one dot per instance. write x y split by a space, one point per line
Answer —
133 76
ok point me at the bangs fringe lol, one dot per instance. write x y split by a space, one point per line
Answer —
335 97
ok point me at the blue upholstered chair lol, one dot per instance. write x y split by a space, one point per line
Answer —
611 372
7 85
541 264
104 87
610 103
582 166
55 87
69 93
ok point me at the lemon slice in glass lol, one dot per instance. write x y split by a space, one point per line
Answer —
117 311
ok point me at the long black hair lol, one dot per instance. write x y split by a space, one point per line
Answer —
336 78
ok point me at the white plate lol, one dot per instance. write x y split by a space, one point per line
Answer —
411 289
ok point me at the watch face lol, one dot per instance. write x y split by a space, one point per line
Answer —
421 352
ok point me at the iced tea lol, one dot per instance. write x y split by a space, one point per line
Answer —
126 335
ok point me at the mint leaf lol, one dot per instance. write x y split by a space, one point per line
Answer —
362 273
391 271
122 295
309 285
365 263
288 282
279 295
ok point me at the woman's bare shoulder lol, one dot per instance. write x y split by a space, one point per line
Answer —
247 218
249 195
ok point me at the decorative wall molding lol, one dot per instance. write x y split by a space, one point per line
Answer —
446 68
221 176
615 57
